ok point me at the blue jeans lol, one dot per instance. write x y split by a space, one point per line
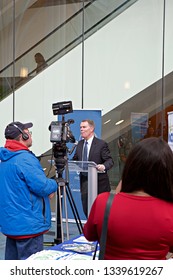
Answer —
21 249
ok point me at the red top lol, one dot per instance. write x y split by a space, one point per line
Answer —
139 227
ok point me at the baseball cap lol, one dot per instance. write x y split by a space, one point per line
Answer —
14 129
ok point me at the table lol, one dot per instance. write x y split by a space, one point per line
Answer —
77 248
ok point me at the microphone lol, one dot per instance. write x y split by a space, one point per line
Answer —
72 149
69 121
70 135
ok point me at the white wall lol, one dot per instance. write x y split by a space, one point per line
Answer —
128 49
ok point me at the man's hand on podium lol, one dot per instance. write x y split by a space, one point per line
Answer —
100 167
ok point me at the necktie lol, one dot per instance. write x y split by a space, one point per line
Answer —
85 156
85 151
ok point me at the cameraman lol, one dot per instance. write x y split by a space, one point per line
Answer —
98 151
25 194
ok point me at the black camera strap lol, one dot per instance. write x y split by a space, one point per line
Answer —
103 237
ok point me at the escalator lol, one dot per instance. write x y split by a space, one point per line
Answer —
80 20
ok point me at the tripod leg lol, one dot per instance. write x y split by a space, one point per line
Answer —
58 232
65 210
61 197
61 193
74 210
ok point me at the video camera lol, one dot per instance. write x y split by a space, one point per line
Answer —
61 134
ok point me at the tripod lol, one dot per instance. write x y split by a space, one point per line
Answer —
63 193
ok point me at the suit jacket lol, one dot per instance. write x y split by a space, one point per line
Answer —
100 154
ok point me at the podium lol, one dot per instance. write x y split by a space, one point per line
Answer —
64 191
90 168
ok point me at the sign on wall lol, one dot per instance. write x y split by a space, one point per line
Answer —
170 130
139 125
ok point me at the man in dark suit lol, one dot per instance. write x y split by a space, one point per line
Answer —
97 151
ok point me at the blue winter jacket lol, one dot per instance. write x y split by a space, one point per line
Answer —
24 190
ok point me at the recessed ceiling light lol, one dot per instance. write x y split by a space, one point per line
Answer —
127 85
117 123
107 121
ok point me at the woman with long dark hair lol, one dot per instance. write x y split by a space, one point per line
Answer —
140 224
